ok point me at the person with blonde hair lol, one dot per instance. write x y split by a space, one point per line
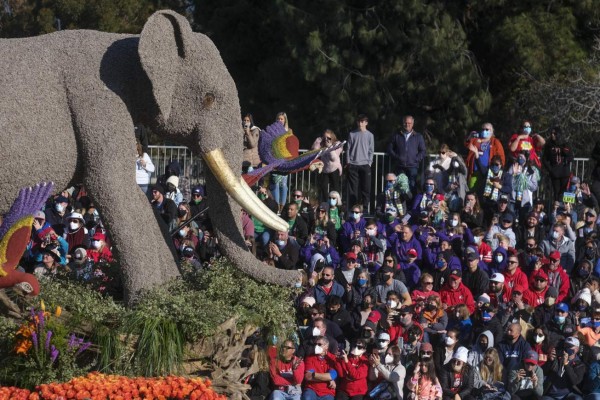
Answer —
329 177
489 376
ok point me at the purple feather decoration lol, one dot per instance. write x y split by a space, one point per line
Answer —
53 354
34 339
48 337
30 200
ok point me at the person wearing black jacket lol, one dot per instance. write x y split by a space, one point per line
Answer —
457 377
476 279
341 316
298 229
530 228
556 160
565 371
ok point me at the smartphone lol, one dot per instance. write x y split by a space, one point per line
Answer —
435 239
405 219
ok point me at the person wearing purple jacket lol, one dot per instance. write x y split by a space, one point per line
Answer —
402 240
411 270
445 263
353 228
319 244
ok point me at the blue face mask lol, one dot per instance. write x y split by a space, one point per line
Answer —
485 133
356 216
362 282
485 316
495 168
440 263
280 243
596 324
389 185
532 260
559 319
521 161
429 188
527 130
583 273
332 202
572 188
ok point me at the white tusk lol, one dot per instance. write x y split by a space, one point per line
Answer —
244 197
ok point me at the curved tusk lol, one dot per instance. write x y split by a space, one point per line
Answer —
244 197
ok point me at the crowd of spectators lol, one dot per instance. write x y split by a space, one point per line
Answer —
465 285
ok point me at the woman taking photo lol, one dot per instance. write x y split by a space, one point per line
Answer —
392 372
329 178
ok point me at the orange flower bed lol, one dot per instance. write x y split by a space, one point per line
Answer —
97 386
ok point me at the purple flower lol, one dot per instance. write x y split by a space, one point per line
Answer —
71 342
48 337
42 320
53 354
34 339
84 347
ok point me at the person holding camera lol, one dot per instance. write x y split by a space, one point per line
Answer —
565 371
527 382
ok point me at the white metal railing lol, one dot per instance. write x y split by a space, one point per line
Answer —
193 167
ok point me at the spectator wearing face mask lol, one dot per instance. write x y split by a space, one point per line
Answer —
483 147
57 215
565 371
501 224
99 251
353 228
353 370
581 277
486 319
557 277
443 355
172 190
454 292
513 348
474 277
389 284
562 324
484 341
282 252
433 319
591 331
525 177
373 246
320 245
76 234
537 292
321 374
327 286
557 241
423 201
391 371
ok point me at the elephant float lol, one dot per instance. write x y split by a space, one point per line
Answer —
68 104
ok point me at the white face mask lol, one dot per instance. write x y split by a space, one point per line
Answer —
73 226
455 164
332 202
449 341
182 232
59 207
316 332
499 258
453 223
371 232
357 352
318 350
539 338
389 359
96 244
555 235
392 303
477 240
382 345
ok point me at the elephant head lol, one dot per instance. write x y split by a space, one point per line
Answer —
197 105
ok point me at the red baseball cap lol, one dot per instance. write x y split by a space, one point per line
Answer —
555 255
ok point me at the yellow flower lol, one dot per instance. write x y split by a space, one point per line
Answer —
42 305
58 311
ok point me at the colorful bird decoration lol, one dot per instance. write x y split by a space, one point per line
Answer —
279 152
15 233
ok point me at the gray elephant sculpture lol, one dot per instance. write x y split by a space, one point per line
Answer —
68 104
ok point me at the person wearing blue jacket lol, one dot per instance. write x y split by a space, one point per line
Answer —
407 150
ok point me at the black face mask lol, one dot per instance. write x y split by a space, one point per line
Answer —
365 305
181 213
430 307
589 253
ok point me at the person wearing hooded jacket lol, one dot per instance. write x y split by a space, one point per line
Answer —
557 276
485 340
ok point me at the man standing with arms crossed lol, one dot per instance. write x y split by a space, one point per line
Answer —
361 146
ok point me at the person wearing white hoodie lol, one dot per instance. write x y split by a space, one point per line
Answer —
484 341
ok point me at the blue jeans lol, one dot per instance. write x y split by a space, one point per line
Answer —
279 189
309 394
281 395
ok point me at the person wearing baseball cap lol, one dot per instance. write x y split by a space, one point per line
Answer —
543 314
535 294
454 292
557 276
562 324
565 372
528 381
499 293
474 277
558 241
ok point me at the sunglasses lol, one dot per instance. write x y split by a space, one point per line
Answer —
540 280
197 195
361 347
389 261
392 181
289 348
513 262
517 293
297 196
320 344
427 283
382 340
427 352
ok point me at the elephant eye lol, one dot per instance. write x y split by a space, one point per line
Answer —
208 100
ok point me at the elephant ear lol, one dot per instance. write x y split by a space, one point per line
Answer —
164 42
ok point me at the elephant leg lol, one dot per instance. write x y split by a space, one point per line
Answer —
108 150
225 214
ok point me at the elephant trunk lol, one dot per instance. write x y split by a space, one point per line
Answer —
226 216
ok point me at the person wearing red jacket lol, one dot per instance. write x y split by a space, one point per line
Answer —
353 370
513 275
557 277
499 293
286 371
536 294
320 372
454 292
100 250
